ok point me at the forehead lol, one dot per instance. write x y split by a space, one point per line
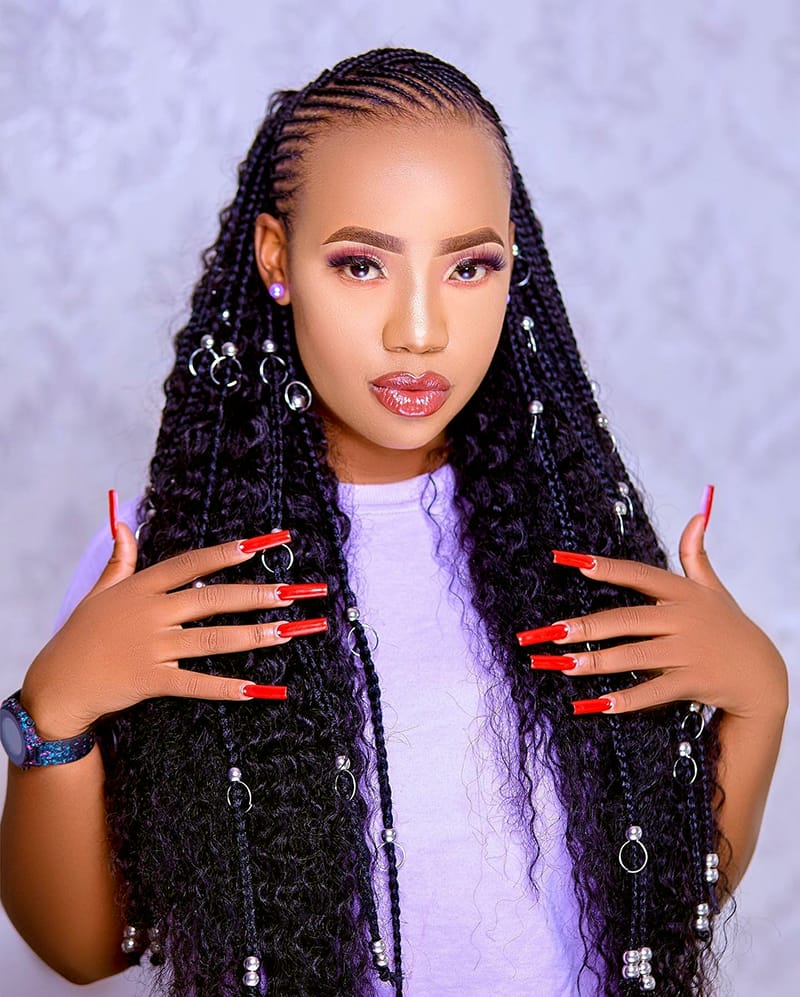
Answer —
417 180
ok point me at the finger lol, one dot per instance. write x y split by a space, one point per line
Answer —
625 621
647 655
693 556
177 571
188 605
195 685
122 563
659 691
200 642
657 583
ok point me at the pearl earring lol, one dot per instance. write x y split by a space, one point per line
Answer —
277 290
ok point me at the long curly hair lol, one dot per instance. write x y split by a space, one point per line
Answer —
288 882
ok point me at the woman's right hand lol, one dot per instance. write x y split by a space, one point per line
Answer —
123 641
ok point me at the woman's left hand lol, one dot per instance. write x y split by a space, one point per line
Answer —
701 645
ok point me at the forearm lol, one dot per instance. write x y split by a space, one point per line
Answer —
749 752
56 882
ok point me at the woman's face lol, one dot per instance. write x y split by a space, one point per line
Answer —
397 271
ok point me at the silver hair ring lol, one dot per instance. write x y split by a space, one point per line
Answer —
298 399
235 778
353 645
695 710
287 566
633 836
516 254
685 755
206 346
234 382
343 769
389 835
262 367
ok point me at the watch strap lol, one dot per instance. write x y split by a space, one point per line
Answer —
39 752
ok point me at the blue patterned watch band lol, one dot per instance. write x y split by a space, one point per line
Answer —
24 746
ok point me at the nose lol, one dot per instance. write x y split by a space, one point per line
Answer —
417 323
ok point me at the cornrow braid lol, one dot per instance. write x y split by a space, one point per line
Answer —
233 459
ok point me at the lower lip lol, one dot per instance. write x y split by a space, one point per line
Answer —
412 404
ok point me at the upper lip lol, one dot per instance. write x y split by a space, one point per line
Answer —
427 381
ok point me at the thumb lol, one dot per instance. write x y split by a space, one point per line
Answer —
122 562
691 549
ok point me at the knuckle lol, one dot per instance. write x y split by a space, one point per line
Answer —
186 562
637 655
189 683
259 634
209 598
630 617
258 595
592 663
210 639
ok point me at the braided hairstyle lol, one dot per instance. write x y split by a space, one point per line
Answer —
276 879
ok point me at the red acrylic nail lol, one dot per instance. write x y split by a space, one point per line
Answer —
304 590
299 628
572 560
264 691
542 634
553 662
113 511
592 705
265 542
708 501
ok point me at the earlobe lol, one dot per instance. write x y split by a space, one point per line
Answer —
269 244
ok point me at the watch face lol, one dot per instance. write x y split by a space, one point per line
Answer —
11 737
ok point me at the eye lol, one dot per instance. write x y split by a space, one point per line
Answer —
357 267
475 269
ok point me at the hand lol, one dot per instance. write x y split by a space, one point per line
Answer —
123 642
701 645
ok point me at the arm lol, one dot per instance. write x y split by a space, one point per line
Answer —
56 882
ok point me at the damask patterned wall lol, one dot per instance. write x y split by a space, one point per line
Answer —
662 152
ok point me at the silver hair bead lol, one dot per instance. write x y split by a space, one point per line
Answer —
207 342
251 979
630 971
634 833
129 931
536 407
702 910
647 983
389 834
234 774
225 315
644 967
631 956
712 860
128 945
154 933
379 945
620 507
381 959
229 349
514 249
268 346
702 924
645 954
527 323
252 963
623 489
684 749
712 875
352 613
602 421
342 762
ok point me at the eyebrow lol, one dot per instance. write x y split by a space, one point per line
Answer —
394 245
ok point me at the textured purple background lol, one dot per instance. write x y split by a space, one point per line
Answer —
660 149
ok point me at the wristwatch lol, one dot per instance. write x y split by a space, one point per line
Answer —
24 746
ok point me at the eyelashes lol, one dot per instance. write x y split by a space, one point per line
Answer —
491 260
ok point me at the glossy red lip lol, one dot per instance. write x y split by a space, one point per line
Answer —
401 379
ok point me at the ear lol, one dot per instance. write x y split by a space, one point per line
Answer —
512 231
271 248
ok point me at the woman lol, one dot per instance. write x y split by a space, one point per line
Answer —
378 361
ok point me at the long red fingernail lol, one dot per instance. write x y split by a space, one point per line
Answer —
299 628
113 511
708 501
592 705
553 662
572 560
263 543
542 634
305 590
264 691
